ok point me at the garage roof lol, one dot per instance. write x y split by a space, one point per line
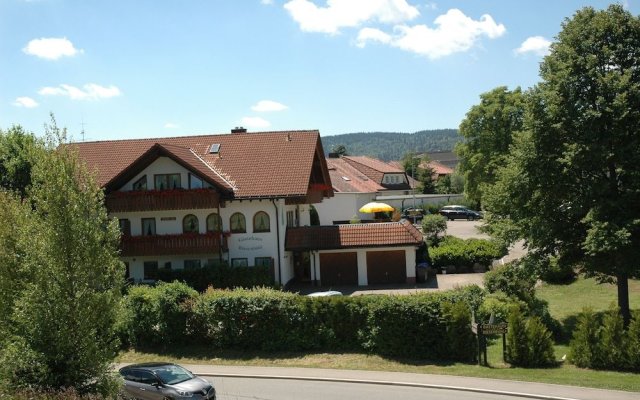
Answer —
386 234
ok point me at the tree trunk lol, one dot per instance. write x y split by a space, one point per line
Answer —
623 297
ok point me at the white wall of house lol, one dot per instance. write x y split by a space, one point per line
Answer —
249 245
162 165
136 264
410 261
343 206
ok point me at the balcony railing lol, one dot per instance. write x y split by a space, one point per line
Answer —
154 200
165 245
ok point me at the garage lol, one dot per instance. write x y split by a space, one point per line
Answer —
339 269
386 267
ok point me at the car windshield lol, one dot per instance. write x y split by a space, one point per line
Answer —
172 374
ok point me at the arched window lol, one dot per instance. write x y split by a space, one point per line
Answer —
214 223
261 222
190 224
238 223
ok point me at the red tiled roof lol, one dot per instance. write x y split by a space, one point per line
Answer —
358 182
372 168
439 168
352 235
256 164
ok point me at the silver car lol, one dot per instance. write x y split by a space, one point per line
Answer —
164 381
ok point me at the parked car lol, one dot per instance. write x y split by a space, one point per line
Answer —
413 213
164 381
459 212
328 293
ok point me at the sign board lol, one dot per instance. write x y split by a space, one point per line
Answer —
490 329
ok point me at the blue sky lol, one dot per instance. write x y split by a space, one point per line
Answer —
153 68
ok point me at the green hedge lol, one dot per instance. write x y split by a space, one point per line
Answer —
464 254
425 326
220 276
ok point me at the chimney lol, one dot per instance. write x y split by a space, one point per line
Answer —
238 129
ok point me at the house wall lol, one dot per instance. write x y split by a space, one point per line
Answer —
410 262
247 245
343 206
163 165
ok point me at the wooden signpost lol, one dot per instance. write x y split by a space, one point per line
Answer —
481 330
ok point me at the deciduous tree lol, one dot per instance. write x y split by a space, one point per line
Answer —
63 317
571 186
488 129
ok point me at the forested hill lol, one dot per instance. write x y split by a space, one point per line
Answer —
393 145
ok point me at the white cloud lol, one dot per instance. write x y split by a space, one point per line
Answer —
536 45
255 122
51 48
268 106
26 102
372 34
90 91
454 32
348 13
171 125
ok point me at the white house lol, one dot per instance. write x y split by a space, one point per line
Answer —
185 202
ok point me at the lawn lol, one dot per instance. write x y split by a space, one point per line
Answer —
565 301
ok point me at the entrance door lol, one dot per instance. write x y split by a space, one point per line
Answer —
302 266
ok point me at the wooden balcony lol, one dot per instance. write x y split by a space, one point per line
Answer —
165 245
155 200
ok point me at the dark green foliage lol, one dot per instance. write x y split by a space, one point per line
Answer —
69 279
529 342
513 279
157 316
540 344
389 146
220 276
415 326
601 342
517 341
634 342
463 254
570 182
488 129
556 272
18 153
433 226
499 305
461 340
583 348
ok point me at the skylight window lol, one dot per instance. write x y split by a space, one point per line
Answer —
346 178
214 149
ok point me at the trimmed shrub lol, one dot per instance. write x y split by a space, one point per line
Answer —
517 341
556 272
634 342
541 352
464 254
428 326
583 348
461 340
156 315
220 276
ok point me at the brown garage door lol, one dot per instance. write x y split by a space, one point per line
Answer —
338 269
386 267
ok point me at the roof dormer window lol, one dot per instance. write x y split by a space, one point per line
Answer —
214 149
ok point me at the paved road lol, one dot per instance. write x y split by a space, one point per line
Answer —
278 389
312 383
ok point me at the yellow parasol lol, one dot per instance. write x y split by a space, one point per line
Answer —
375 207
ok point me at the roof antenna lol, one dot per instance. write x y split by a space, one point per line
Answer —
82 124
